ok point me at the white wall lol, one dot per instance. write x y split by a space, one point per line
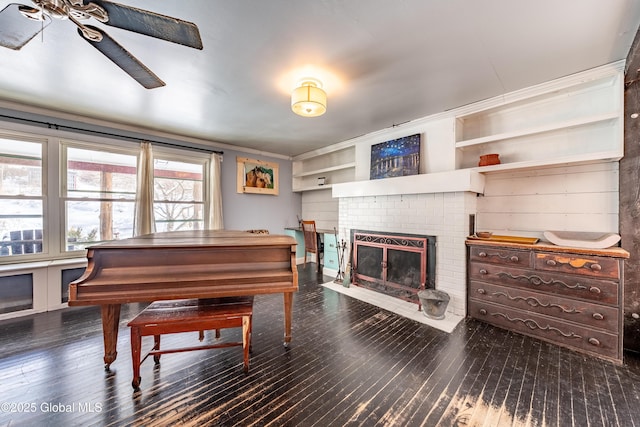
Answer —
436 145
247 211
567 198
320 206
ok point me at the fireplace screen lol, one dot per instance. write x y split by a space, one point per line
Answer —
394 264
369 261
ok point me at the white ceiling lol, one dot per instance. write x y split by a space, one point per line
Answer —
384 62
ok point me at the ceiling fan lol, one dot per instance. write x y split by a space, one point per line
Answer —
20 23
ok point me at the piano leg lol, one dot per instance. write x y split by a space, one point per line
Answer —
288 305
110 321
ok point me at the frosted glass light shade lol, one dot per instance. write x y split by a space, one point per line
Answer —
308 99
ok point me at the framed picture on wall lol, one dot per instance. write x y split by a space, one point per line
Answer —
256 176
398 157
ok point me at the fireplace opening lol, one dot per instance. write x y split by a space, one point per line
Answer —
395 264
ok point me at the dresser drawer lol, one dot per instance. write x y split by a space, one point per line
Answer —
578 311
578 264
549 329
330 259
510 257
566 285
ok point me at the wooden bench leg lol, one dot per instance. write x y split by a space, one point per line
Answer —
156 346
136 344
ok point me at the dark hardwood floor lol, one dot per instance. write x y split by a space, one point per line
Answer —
350 363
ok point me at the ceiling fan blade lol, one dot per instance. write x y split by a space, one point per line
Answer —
16 29
123 59
151 23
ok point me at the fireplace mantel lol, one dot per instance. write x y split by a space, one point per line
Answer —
440 182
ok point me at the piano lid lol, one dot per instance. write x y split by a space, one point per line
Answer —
218 238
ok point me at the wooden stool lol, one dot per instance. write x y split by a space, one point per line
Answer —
190 315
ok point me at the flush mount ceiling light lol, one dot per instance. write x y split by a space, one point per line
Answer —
308 99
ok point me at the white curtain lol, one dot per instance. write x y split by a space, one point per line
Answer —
143 222
213 209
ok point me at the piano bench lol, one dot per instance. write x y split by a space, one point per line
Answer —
190 315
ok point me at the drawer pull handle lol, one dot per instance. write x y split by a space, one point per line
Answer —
482 291
594 341
595 290
483 311
514 259
597 316
482 254
596 267
483 271
551 263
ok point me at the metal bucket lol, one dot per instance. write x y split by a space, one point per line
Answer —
434 303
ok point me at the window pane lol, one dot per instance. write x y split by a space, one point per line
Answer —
177 181
20 227
20 168
178 216
178 195
101 189
89 223
100 174
21 202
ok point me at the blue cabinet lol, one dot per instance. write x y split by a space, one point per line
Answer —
297 234
330 253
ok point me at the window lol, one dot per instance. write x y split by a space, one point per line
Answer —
178 195
21 197
99 196
57 197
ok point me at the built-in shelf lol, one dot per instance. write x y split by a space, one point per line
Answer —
333 165
565 160
326 170
563 125
579 122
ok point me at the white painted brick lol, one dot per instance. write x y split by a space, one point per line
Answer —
444 215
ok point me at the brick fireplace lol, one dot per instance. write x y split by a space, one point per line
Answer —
444 215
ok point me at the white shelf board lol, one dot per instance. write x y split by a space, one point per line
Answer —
440 182
573 159
325 170
312 188
325 150
540 129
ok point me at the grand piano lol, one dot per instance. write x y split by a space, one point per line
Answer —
184 264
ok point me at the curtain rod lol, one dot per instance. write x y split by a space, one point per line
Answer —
97 132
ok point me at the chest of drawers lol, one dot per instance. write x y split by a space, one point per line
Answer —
568 296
